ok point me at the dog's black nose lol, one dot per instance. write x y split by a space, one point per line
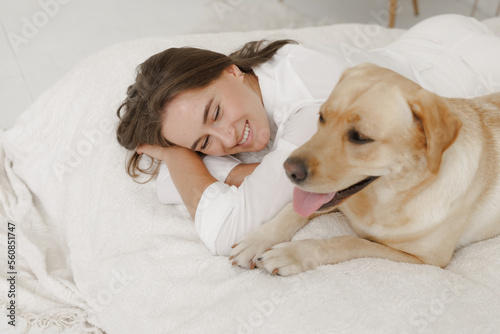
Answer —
296 169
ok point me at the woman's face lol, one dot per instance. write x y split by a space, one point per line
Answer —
226 117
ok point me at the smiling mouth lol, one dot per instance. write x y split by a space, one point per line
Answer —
342 195
245 135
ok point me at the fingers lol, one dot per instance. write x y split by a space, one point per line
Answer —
153 151
144 148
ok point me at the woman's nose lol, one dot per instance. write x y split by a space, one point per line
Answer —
227 136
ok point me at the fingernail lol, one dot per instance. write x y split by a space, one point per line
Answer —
231 257
275 271
234 263
234 245
252 266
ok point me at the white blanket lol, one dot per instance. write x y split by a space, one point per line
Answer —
97 252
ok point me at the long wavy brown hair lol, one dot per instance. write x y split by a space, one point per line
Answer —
165 75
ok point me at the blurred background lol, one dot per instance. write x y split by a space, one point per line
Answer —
40 40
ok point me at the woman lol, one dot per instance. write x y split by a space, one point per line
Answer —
188 101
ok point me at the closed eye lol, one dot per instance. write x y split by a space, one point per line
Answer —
217 117
357 138
205 143
217 114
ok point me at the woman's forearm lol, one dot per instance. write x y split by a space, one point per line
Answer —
189 175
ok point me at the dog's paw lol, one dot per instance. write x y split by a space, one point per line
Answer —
245 253
290 258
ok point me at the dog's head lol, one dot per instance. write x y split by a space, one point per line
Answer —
375 123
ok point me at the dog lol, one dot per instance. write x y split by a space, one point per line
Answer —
416 174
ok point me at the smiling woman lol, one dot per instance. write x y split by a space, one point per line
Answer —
193 100
184 81
187 101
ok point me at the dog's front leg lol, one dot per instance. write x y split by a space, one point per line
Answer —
293 257
280 229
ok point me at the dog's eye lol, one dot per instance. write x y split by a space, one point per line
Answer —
321 119
356 138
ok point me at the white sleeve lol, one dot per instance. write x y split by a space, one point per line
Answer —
225 214
219 167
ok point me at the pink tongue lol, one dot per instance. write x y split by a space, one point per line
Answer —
306 203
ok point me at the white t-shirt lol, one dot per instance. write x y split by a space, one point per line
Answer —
451 55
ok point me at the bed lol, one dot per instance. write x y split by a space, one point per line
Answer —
97 253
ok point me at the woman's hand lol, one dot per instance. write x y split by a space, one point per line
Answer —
168 155
154 151
238 174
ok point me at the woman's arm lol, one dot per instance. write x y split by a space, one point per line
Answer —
235 177
188 172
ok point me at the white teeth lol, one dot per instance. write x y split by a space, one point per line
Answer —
245 136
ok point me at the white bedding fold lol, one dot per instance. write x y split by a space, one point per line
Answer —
38 281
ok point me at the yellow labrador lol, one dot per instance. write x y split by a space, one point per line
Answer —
416 174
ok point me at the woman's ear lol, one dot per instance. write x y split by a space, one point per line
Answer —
234 70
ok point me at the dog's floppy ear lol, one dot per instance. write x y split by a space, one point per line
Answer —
440 125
